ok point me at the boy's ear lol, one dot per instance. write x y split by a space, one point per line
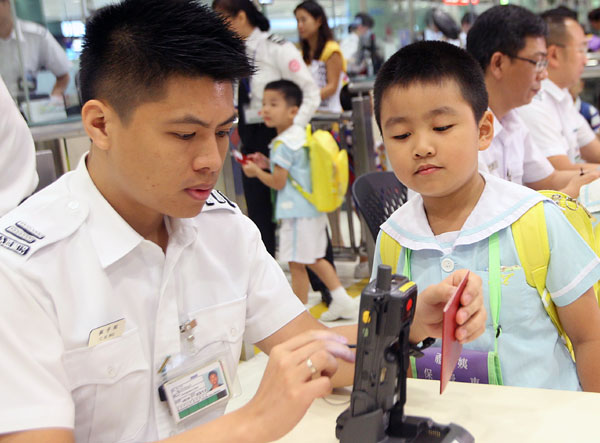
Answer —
293 111
486 130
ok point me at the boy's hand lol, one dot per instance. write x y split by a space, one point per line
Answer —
471 316
261 160
251 169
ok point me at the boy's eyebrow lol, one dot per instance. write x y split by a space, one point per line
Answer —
441 110
192 120
434 112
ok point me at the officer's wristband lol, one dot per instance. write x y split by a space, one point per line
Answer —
417 351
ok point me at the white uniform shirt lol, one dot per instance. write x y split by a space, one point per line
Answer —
277 59
513 155
90 269
39 50
531 352
18 175
555 125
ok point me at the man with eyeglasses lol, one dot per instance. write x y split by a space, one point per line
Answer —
509 44
561 132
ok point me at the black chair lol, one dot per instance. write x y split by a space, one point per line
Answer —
377 195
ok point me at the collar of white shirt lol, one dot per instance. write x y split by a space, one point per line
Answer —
500 204
253 39
112 236
557 93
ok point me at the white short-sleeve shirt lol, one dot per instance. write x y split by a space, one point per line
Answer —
531 352
89 269
556 126
513 155
18 176
39 50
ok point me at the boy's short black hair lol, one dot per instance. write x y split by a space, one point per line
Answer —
291 92
433 62
131 49
503 29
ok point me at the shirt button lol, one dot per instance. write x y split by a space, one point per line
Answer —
447 265
233 331
111 371
73 205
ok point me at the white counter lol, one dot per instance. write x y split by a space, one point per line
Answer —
490 413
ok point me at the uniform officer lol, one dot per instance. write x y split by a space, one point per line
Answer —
127 281
38 49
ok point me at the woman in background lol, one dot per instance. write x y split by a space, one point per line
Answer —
321 53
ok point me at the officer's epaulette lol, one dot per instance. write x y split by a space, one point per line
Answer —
39 222
218 200
276 39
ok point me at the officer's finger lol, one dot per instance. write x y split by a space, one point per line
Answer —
320 363
334 348
309 336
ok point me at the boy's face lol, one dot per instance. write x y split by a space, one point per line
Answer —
275 110
432 138
166 159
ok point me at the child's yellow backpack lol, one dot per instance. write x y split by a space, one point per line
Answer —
531 241
328 169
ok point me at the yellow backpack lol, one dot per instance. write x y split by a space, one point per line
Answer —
531 241
328 171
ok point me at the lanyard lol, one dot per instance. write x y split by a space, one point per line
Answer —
494 288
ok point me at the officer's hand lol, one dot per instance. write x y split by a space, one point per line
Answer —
261 160
291 382
430 305
250 169
572 188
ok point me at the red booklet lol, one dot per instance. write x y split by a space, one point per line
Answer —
451 349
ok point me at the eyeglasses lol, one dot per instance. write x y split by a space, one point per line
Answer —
540 65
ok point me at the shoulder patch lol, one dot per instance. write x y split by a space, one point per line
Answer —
276 39
38 222
218 200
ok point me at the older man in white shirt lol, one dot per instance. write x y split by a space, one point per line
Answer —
509 44
558 129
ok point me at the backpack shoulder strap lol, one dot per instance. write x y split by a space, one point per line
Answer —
389 250
531 240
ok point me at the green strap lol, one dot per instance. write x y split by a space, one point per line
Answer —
494 284
493 280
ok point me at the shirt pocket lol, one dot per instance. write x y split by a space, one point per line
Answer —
110 384
220 331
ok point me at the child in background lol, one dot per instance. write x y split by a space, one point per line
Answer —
431 106
302 233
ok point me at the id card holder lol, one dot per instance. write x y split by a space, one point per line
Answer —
192 392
